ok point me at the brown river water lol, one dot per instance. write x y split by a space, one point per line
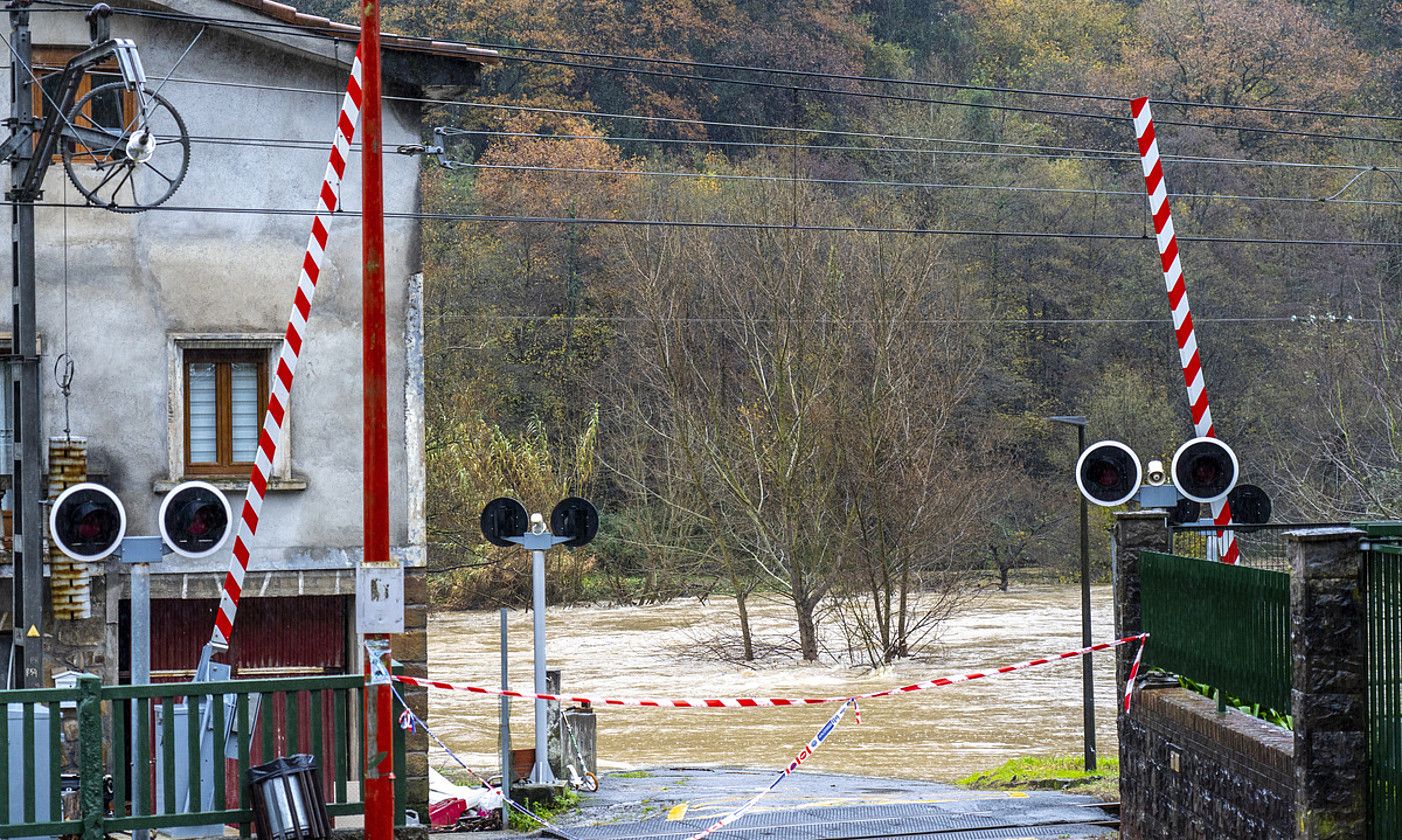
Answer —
940 734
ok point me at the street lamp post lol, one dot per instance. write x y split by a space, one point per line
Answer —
1087 676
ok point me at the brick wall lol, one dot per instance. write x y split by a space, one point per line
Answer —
1187 772
411 649
70 589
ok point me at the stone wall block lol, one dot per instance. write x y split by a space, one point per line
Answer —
415 587
1342 712
1135 532
1329 688
411 647
1329 676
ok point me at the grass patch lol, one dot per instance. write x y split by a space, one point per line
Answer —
631 774
567 802
1066 773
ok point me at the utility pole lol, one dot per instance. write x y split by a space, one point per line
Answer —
30 149
379 713
26 494
1087 674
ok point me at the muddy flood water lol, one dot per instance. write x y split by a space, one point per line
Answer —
939 735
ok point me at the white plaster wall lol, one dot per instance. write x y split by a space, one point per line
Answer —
133 280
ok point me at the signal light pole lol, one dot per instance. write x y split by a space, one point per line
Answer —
1087 674
574 522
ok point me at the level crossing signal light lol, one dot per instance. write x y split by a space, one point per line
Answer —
194 519
87 521
503 518
1108 473
574 522
1205 470
576 519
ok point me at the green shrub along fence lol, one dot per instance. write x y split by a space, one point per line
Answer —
322 716
1226 626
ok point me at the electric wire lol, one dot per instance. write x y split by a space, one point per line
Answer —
487 218
1089 153
781 71
919 100
319 146
314 33
1302 320
864 182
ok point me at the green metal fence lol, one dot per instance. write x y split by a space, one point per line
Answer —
323 716
1383 585
1226 626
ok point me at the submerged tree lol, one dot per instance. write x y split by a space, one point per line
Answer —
812 391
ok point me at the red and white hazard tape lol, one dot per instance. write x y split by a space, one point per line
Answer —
759 702
279 395
1178 298
803 755
1134 670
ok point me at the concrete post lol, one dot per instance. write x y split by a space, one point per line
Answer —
1330 683
1135 531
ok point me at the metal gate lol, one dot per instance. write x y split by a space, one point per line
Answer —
1383 586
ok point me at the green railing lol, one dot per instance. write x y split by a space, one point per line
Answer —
1226 626
322 716
1383 584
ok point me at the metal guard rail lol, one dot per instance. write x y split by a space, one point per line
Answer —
1225 626
295 714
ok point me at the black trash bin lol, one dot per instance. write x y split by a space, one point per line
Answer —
287 799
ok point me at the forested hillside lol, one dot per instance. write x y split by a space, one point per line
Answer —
827 377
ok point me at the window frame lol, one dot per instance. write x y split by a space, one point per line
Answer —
223 358
50 59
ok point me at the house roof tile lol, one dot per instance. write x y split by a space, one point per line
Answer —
405 43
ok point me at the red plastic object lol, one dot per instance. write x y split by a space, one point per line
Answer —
445 814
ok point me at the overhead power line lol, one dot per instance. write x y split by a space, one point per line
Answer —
862 182
919 100
1303 320
303 32
781 71
307 145
486 218
1088 153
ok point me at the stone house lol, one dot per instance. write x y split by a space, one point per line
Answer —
173 319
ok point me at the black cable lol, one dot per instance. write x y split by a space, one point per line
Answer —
808 228
808 89
924 83
309 31
1105 155
895 97
317 146
1303 320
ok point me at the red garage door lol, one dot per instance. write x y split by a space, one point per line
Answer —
285 637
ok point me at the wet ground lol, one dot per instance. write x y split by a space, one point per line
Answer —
674 804
657 651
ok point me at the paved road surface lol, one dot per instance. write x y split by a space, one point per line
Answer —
673 804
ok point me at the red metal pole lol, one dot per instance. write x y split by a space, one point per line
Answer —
379 775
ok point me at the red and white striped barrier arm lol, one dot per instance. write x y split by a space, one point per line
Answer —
758 702
1178 298
279 394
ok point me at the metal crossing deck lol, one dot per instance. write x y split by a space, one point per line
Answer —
861 822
